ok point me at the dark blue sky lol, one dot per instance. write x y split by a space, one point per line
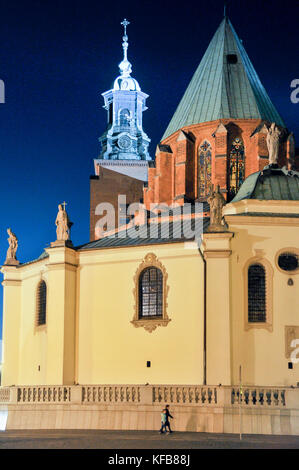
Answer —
57 57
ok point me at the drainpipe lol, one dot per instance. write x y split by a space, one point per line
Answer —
204 320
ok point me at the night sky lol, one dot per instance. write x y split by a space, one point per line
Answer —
57 57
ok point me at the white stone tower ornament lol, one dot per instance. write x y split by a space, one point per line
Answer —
124 138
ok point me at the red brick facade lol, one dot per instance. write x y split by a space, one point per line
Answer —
106 187
174 179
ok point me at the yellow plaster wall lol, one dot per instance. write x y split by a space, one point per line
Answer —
110 348
33 339
11 329
260 352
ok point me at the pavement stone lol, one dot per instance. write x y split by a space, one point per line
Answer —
100 439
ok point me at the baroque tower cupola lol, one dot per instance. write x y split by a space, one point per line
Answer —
124 138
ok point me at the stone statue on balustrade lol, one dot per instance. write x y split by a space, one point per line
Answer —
216 202
273 138
11 259
63 227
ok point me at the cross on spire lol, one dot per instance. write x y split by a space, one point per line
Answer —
125 66
125 23
64 204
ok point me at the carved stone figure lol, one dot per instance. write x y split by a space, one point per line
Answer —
12 249
63 224
216 201
273 137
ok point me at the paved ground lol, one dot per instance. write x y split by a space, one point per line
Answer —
93 439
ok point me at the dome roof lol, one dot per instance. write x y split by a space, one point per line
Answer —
273 183
126 84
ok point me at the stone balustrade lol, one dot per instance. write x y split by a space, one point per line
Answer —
259 396
266 397
185 395
42 394
110 394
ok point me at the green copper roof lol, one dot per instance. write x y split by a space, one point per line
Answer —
225 85
272 183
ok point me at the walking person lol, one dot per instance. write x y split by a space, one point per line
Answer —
163 421
168 415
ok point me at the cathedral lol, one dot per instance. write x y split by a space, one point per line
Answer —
102 335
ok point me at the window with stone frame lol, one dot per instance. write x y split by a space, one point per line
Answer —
204 169
257 294
151 293
41 303
236 170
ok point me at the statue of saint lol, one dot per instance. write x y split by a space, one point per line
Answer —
216 201
12 249
273 137
63 224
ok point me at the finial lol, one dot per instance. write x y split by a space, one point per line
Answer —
125 66
225 7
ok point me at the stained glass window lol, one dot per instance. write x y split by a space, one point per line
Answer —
41 303
204 169
151 293
256 293
236 167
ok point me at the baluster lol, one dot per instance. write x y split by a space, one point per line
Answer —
261 397
283 398
171 394
268 397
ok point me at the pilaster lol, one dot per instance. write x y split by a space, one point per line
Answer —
217 251
11 324
61 318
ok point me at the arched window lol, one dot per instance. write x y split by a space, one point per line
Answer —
124 117
204 169
236 167
256 293
151 293
41 303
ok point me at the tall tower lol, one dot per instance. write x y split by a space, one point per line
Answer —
122 166
124 138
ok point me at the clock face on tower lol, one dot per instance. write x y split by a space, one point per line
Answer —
124 142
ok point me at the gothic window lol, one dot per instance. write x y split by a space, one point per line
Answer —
124 117
256 293
41 304
236 167
151 293
204 169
